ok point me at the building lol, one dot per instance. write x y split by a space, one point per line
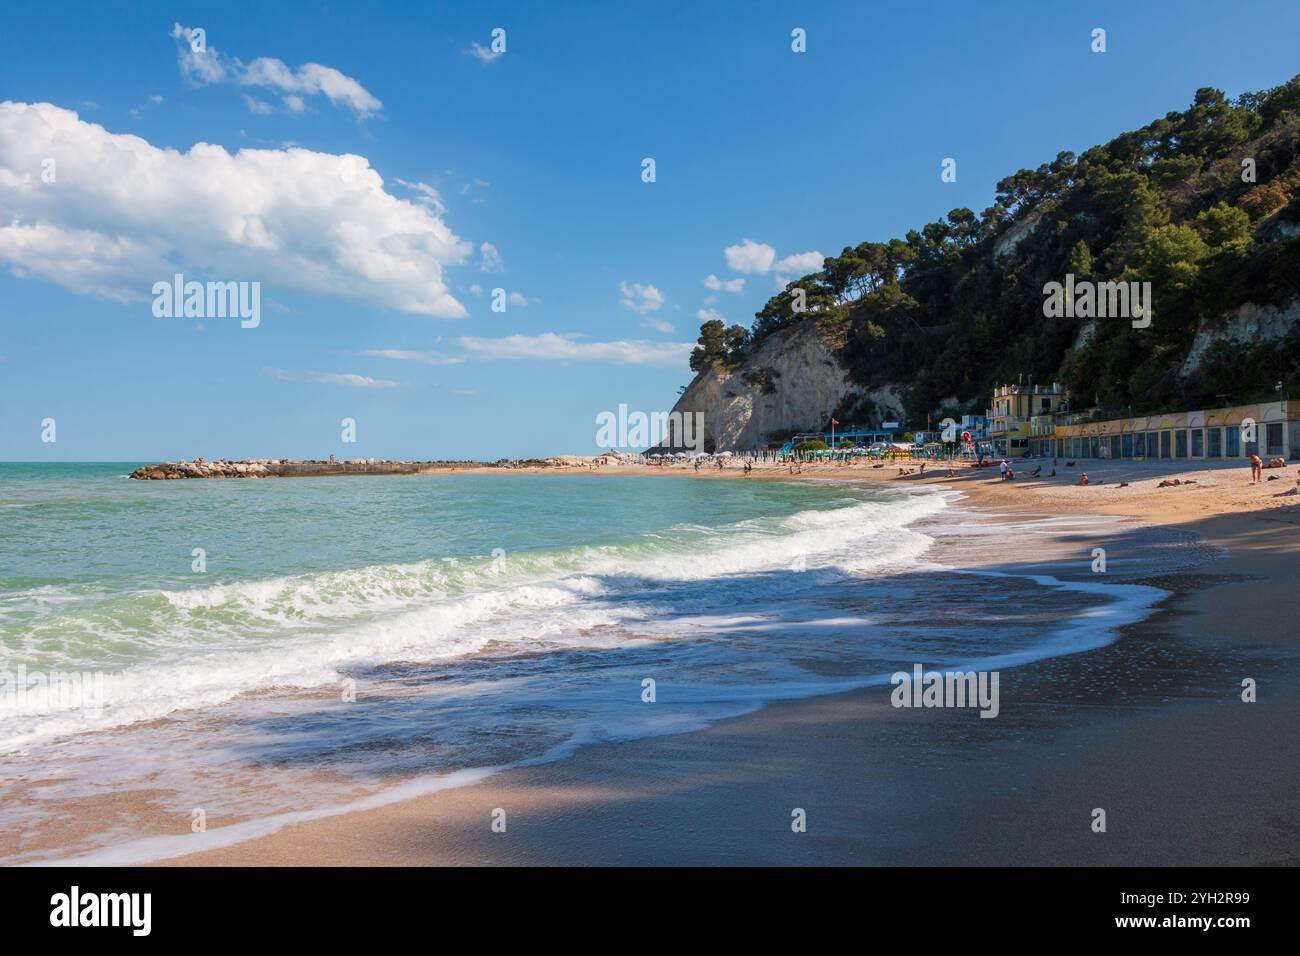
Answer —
1269 429
1024 414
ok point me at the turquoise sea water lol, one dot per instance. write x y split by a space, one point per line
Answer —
346 634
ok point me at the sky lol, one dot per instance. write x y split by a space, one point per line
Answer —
380 169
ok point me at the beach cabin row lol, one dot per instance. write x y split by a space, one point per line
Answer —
1270 430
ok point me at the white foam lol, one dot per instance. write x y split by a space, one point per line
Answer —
208 645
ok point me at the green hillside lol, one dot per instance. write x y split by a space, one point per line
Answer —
954 308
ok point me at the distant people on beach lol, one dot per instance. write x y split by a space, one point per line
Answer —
1083 479
1256 469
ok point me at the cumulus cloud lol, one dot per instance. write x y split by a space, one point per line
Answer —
659 325
123 214
708 315
423 358
211 67
750 256
724 285
551 347
757 258
801 263
640 298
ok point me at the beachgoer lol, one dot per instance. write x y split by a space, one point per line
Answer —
1083 479
1256 468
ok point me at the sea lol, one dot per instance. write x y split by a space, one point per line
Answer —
247 653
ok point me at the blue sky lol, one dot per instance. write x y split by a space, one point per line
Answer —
369 310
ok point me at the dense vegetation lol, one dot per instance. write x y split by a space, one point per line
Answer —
942 315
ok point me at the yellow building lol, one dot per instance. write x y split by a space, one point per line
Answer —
1269 429
1023 417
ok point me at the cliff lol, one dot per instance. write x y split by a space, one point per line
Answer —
793 381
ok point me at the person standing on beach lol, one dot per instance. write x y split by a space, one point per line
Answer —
1256 469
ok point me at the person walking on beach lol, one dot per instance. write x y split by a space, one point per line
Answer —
1003 467
1256 469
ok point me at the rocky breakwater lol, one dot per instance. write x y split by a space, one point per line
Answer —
205 469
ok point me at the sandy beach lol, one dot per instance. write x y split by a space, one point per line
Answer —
1150 728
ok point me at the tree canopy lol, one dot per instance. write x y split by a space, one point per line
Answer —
1204 204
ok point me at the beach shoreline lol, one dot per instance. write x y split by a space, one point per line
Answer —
1150 728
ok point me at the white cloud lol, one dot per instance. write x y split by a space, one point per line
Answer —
640 298
750 256
350 379
490 259
155 99
295 104
758 257
724 285
212 67
551 347
125 214
517 298
801 263
423 358
659 325
708 315
257 107
480 52
426 196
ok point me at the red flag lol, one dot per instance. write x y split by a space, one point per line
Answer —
834 422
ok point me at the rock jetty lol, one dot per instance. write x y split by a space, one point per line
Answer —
288 468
